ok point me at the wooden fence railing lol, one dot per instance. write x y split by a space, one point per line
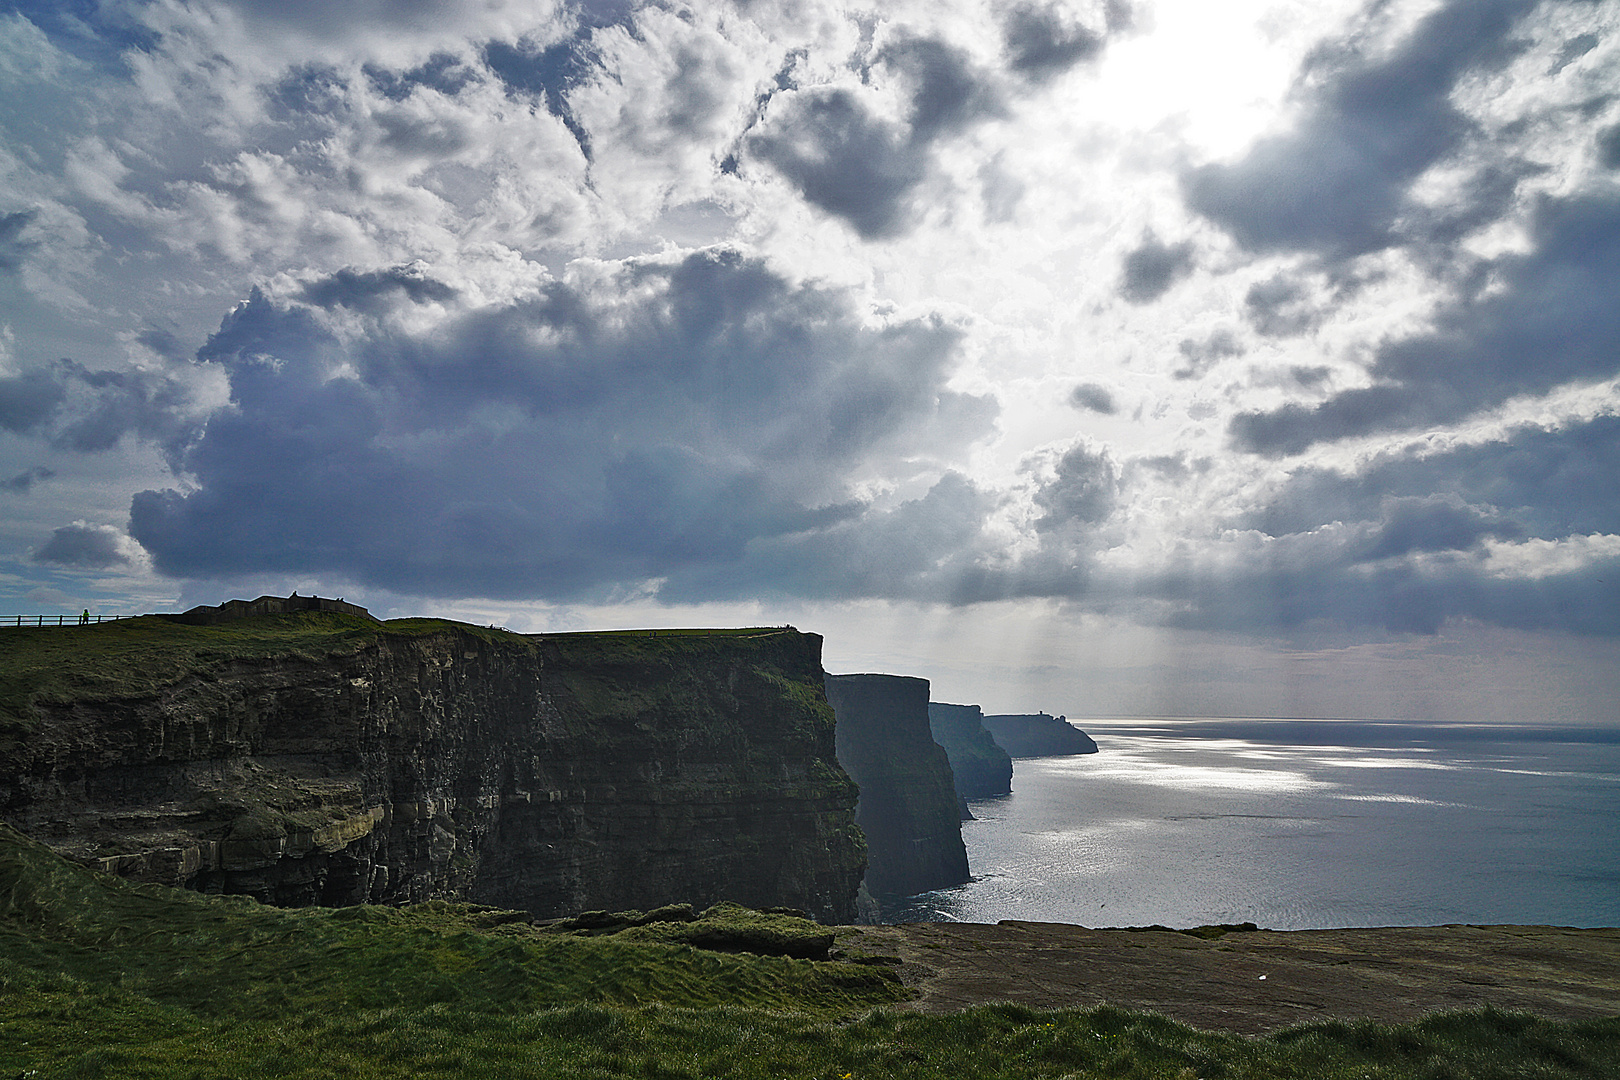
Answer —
58 620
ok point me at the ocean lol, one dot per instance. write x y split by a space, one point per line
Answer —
1298 825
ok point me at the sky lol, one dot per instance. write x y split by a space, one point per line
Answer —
1135 358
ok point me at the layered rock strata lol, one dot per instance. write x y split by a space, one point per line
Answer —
979 767
1038 735
323 758
908 805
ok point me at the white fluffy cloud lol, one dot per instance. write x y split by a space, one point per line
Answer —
1299 316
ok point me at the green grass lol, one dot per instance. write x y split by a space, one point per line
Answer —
131 658
99 978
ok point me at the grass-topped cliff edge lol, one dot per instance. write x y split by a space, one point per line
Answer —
101 978
324 758
131 657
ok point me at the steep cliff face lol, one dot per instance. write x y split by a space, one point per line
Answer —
908 805
318 758
979 767
1038 735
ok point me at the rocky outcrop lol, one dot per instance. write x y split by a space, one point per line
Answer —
1038 735
231 610
979 767
322 758
908 805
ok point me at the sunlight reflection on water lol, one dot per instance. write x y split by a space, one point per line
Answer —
1186 831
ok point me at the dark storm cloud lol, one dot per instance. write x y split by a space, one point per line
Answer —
162 342
948 92
1575 48
922 549
1402 543
13 248
1082 492
659 424
76 408
1041 43
374 291
444 73
1301 584
1608 143
29 400
1432 523
1551 317
547 74
1203 355
1337 184
862 167
1150 270
846 161
83 547
1548 484
1281 306
24 481
1093 396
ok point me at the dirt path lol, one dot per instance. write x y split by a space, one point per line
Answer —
1254 982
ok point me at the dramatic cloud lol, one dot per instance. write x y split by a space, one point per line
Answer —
1151 269
85 547
372 291
928 548
13 248
1547 317
656 419
1371 124
1259 321
843 159
1093 396
1281 307
85 410
1547 483
849 158
1044 41
24 481
1200 356
1082 493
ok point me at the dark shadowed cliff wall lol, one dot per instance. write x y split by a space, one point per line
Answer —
1038 735
979 767
908 805
321 758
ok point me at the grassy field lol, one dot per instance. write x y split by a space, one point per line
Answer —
102 979
132 657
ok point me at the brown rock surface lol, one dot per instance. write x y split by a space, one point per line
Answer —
1259 981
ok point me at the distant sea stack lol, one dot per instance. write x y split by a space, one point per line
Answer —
1038 735
908 804
321 757
979 766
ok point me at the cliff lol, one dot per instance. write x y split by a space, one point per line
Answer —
908 804
325 758
1038 735
979 767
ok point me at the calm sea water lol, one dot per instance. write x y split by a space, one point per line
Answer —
1295 825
